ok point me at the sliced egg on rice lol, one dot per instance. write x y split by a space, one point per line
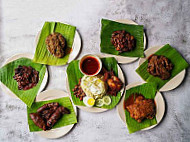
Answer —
89 101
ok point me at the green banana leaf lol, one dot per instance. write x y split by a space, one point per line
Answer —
173 55
74 74
65 120
108 27
6 77
42 54
148 90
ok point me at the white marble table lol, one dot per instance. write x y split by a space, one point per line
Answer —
164 21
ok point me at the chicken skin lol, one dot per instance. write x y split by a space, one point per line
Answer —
141 108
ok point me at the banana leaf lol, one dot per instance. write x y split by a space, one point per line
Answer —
176 59
66 119
74 74
6 77
42 54
148 90
108 27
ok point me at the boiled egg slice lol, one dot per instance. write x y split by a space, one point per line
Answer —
89 101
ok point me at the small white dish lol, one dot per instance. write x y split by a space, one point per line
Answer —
85 57
15 57
123 59
95 109
58 132
175 81
75 48
160 106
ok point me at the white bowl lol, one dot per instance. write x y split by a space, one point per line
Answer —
86 56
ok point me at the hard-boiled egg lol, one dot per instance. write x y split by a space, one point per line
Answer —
89 101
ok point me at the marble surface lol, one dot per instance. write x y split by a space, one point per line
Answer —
164 22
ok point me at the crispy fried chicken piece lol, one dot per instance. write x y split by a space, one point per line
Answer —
114 83
159 66
56 115
38 120
78 92
141 108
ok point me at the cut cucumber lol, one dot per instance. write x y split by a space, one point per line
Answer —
106 100
99 102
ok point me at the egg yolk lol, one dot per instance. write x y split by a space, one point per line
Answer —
91 101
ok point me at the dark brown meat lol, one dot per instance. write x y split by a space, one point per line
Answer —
56 115
48 114
123 41
38 120
26 77
141 108
56 44
78 92
159 66
53 105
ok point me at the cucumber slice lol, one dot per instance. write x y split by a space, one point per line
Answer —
106 100
99 102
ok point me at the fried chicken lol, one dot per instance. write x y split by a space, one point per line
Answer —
141 108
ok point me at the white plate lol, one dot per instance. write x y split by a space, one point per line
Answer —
58 132
75 48
160 106
95 109
175 81
15 57
123 59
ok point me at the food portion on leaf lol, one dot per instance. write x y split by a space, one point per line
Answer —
159 66
51 114
140 108
26 77
101 90
93 86
78 92
56 44
113 82
164 65
123 41
48 114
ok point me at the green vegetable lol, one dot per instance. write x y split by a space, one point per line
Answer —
66 119
6 77
42 54
106 100
108 27
74 74
148 90
176 59
99 102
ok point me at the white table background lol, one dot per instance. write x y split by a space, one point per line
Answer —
164 21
